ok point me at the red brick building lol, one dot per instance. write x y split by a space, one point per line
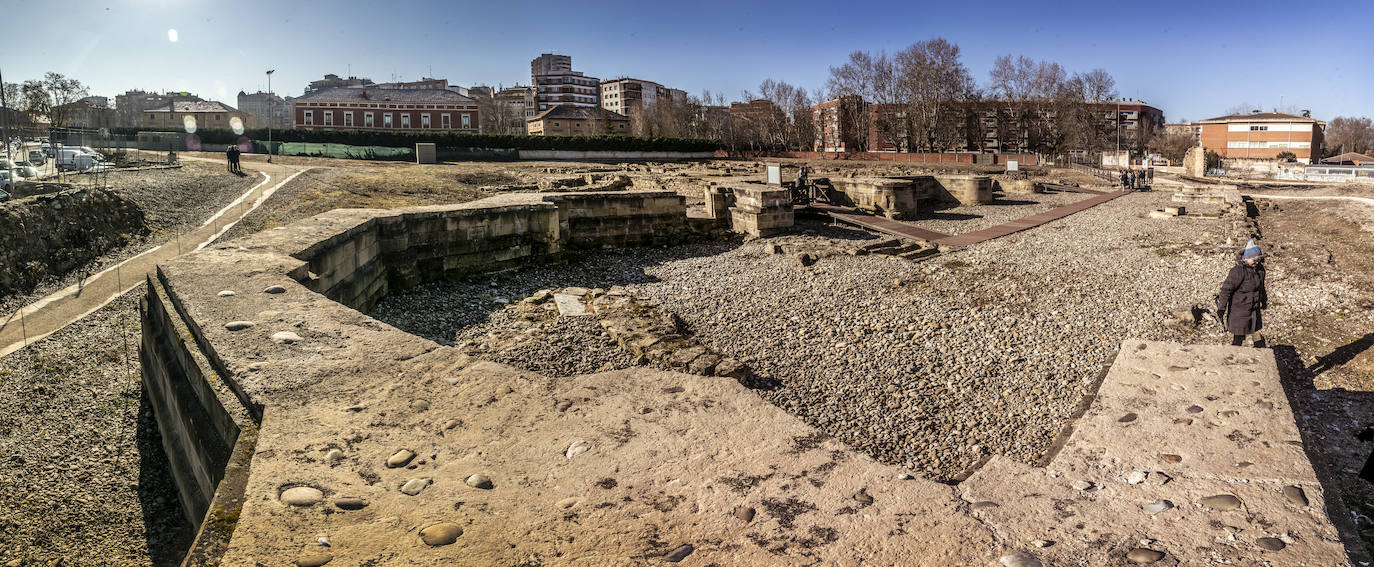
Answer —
1263 135
976 126
370 108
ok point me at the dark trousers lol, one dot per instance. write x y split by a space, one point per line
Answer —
1238 340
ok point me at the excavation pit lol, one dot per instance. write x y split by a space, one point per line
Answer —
685 452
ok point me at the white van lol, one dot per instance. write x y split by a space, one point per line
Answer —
73 159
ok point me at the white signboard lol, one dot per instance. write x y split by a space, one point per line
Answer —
774 174
1012 165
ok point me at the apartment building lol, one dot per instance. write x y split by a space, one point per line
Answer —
130 106
556 83
631 96
836 127
331 81
1193 129
1264 135
263 108
370 108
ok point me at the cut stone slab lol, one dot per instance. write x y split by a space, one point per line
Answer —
1209 491
570 305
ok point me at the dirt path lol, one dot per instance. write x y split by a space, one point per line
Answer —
59 309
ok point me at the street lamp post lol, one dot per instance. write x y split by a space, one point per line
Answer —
269 114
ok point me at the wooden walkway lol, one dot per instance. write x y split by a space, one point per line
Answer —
905 230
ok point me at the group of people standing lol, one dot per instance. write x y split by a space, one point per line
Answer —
1132 179
232 157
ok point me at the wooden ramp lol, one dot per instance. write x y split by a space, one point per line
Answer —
906 230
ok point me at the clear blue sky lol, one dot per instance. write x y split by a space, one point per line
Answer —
1193 59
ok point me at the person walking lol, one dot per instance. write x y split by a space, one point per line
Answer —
1130 180
1243 297
229 158
1123 179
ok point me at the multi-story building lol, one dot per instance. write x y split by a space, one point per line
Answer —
755 110
521 99
130 106
837 129
556 83
1193 129
97 101
1264 135
976 126
331 81
631 96
369 108
573 120
263 108
191 115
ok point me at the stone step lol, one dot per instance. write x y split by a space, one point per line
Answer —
919 254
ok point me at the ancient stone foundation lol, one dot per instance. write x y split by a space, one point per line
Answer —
387 445
761 210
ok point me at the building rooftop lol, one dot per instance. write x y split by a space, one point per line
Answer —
571 112
1350 157
1260 117
395 95
193 106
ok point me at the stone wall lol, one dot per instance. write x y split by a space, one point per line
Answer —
50 235
894 198
965 189
355 257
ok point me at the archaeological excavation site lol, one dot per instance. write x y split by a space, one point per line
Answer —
694 363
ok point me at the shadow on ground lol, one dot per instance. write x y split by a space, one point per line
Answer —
168 533
1329 421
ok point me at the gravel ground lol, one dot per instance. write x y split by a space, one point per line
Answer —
85 479
172 200
1006 208
987 350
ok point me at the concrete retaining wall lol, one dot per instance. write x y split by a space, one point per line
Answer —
52 234
966 189
202 403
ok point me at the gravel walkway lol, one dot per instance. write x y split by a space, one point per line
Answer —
85 479
987 350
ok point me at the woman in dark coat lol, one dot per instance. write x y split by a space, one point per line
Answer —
1243 296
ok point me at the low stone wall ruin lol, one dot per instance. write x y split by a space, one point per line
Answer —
355 257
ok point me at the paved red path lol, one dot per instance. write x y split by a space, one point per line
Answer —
889 226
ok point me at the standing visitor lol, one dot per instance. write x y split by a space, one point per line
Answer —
1243 296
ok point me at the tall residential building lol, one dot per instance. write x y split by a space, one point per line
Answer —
1264 135
631 96
259 105
331 81
556 83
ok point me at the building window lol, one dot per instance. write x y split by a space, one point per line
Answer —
348 119
446 120
467 121
309 117
367 119
424 120
405 120
386 120
329 118
1259 128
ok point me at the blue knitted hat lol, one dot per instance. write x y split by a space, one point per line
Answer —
1252 250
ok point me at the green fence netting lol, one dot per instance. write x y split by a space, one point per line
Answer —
343 151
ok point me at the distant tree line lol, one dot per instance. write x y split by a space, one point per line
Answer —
451 140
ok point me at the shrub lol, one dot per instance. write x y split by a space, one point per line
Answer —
1287 156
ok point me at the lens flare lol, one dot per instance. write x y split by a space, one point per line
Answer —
236 124
193 143
172 35
189 121
245 145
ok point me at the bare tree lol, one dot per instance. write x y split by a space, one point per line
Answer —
52 96
1349 134
1093 86
934 84
874 77
1172 145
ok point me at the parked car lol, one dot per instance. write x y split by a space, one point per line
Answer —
25 170
37 158
6 184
